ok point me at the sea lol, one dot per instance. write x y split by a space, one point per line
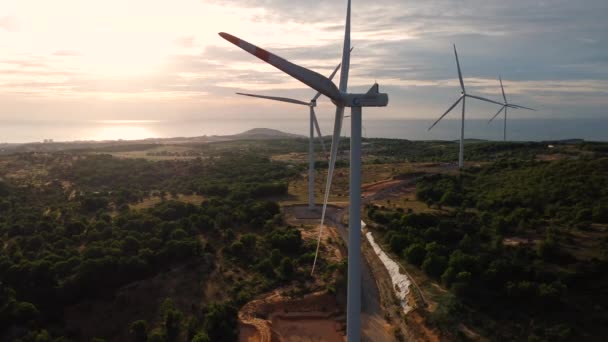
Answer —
591 129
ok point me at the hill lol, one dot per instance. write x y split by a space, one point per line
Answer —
265 133
252 134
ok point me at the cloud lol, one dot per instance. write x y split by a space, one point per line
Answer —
66 53
185 42
10 24
548 52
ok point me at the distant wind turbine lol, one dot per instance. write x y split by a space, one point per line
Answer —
341 98
504 107
313 122
463 96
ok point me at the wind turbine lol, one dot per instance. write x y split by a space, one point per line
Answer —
504 107
341 98
463 96
313 122
362 126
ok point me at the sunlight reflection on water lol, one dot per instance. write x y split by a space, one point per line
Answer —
119 131
524 129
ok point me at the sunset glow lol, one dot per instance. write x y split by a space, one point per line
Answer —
162 60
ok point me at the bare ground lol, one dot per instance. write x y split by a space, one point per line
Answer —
273 317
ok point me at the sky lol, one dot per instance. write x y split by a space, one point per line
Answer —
77 60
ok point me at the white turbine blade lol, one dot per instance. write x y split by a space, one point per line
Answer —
520 107
501 109
459 72
446 112
345 53
314 118
312 79
503 89
335 140
274 98
484 99
331 77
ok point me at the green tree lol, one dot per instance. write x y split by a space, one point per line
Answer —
157 335
434 265
172 318
139 330
275 257
398 242
286 268
221 322
415 254
201 336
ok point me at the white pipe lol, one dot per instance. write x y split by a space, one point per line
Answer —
353 310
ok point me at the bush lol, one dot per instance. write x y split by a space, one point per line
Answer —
286 268
415 254
398 242
600 214
201 336
434 265
287 240
221 322
139 331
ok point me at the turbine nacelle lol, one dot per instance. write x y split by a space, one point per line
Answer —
366 100
373 98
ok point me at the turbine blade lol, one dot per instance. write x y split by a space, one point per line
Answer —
459 71
503 89
312 79
501 109
484 99
331 77
314 118
274 98
335 140
520 107
446 112
345 53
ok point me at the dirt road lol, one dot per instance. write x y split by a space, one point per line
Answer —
375 327
374 324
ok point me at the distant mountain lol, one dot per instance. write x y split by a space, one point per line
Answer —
264 133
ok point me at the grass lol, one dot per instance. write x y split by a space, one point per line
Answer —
585 244
372 173
162 152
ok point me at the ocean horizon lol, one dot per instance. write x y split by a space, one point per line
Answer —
590 129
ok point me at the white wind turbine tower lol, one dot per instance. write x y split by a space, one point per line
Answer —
313 122
463 96
341 98
504 107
